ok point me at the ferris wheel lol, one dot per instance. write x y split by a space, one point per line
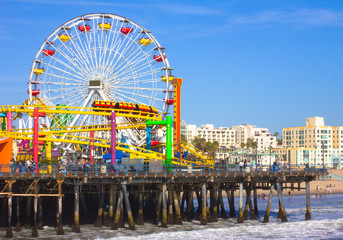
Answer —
100 57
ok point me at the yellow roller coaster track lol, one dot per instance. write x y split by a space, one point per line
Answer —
79 110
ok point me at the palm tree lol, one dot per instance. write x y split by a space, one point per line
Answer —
242 145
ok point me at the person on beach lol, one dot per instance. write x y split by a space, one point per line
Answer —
317 187
289 194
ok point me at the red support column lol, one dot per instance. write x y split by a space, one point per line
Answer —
92 147
35 137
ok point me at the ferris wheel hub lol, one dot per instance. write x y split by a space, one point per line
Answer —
95 84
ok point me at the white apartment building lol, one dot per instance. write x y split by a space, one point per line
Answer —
262 136
223 135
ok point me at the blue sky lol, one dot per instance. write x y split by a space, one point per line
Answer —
268 63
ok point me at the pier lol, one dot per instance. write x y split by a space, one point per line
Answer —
103 196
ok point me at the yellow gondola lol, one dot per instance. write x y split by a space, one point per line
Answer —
144 41
170 78
105 26
64 37
38 71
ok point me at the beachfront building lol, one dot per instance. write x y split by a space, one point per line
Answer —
314 144
265 140
262 158
223 135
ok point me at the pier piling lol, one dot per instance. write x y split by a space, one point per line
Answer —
35 208
128 208
255 201
140 217
119 210
283 211
9 232
98 221
269 204
76 226
240 218
203 217
164 207
60 230
18 225
308 208
170 206
40 213
178 218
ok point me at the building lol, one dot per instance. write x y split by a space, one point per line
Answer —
265 140
262 158
314 144
223 135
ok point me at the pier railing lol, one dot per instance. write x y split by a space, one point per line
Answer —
148 169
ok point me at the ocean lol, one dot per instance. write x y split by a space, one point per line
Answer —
326 223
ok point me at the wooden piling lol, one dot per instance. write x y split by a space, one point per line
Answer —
18 225
140 217
240 218
308 208
98 221
158 207
170 205
255 201
215 203
247 202
118 211
128 208
35 208
28 212
9 232
283 211
231 200
60 230
221 204
203 217
76 226
266 216
109 218
189 211
164 207
178 219
40 213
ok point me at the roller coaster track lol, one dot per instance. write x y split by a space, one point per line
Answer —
28 109
197 152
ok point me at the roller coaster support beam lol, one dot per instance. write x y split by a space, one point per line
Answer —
91 147
169 142
113 137
35 137
148 137
9 120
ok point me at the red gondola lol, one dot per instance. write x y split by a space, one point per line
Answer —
170 101
154 143
126 30
34 92
158 58
84 28
48 52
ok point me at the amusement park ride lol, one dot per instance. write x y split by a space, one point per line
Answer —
99 82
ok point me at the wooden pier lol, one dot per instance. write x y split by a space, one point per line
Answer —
118 199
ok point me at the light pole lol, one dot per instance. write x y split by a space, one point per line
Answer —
270 156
